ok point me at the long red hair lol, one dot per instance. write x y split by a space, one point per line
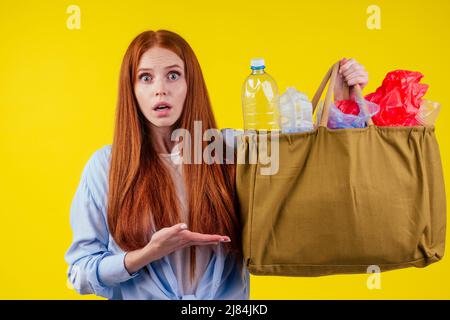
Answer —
142 195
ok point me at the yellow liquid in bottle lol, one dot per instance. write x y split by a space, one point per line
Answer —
260 102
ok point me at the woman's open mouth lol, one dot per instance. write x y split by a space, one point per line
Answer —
162 109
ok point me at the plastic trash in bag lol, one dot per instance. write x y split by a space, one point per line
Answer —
399 98
348 106
295 112
355 118
428 112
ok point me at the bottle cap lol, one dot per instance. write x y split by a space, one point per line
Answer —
257 63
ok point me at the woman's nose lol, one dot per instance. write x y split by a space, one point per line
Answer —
161 92
160 89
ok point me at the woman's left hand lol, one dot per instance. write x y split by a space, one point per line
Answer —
352 73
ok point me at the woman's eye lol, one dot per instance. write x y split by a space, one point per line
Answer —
145 77
174 75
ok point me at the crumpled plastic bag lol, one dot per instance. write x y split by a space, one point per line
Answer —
348 106
399 98
428 112
296 113
353 117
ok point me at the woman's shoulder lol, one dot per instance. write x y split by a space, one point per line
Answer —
98 161
101 156
96 172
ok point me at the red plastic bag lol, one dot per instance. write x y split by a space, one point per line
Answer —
348 106
399 98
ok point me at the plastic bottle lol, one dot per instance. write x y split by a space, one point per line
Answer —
260 99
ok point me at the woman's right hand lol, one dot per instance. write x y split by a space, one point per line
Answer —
166 241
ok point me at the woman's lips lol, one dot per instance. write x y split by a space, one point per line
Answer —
162 112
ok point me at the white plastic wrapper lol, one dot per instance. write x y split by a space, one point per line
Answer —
428 112
295 112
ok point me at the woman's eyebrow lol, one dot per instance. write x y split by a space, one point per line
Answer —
168 67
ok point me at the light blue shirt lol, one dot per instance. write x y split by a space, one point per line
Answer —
96 262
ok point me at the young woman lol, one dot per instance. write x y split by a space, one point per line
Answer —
145 224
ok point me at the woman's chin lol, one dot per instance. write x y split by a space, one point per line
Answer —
162 123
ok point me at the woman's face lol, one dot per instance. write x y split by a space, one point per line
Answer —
160 87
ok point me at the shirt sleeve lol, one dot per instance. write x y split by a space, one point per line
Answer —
92 268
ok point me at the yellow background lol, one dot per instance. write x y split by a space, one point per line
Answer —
58 90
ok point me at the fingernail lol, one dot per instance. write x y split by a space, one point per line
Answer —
225 240
183 226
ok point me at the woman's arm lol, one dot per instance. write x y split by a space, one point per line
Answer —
166 241
137 259
93 269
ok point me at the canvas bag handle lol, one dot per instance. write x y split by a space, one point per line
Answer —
330 77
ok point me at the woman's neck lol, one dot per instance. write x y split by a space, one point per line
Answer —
161 137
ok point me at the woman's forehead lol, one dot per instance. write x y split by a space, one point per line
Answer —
159 59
